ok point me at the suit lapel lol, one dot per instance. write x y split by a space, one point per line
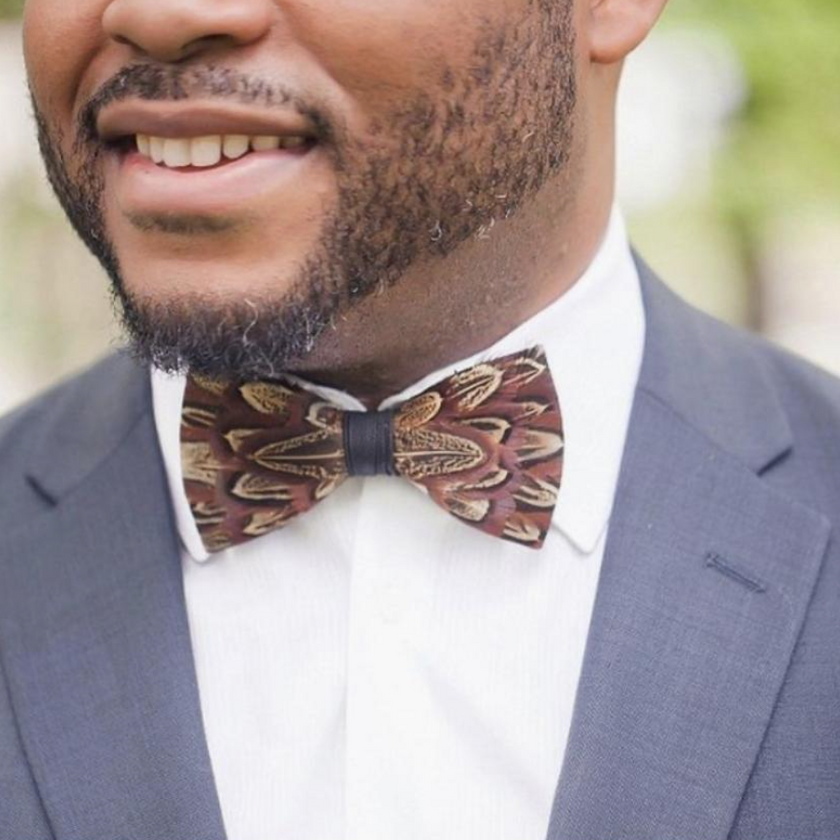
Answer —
704 586
96 647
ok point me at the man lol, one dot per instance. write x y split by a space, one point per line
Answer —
355 238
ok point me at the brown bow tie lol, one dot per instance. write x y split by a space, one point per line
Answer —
486 444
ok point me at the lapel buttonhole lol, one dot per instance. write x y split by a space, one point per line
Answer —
725 567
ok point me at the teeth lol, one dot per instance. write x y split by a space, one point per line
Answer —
206 151
156 149
236 145
209 151
265 144
177 152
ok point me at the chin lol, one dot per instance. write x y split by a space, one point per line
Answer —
255 254
174 270
166 281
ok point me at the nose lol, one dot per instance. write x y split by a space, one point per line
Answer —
173 30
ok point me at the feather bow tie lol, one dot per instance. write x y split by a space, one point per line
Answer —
486 444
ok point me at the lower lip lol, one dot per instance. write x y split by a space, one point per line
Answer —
142 186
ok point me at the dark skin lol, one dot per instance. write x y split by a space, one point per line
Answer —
461 181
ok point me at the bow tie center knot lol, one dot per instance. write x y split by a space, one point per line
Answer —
368 442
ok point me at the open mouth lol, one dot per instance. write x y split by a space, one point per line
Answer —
205 159
187 154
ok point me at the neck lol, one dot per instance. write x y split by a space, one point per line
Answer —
439 313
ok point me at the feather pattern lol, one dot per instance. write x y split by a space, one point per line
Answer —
486 444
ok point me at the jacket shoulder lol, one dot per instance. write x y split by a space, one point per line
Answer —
784 366
801 380
809 393
695 354
86 412
811 399
25 420
808 396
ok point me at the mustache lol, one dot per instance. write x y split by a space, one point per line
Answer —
154 83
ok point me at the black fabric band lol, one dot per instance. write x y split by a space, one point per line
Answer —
368 442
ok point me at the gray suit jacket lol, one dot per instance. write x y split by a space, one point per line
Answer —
709 702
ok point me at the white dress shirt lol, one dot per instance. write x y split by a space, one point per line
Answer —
378 669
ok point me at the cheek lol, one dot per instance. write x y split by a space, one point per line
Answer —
59 39
377 50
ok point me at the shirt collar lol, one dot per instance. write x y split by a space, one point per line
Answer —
593 337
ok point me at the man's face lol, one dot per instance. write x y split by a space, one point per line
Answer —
406 127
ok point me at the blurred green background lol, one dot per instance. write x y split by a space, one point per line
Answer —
729 174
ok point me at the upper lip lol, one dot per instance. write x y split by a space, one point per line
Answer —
182 120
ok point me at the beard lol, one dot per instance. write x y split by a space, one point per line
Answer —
460 156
